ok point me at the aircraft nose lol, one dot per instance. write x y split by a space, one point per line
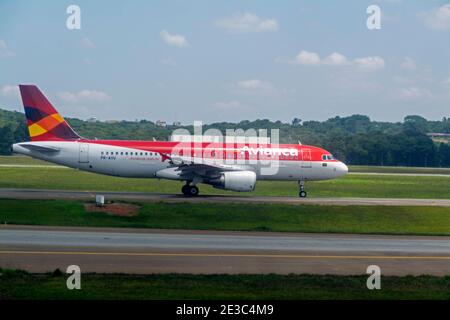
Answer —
342 169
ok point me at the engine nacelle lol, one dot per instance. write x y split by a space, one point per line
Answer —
237 181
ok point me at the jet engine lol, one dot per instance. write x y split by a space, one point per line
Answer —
236 181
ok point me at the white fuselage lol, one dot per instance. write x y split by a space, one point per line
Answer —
129 162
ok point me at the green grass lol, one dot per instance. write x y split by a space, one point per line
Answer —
251 217
23 160
21 285
386 169
379 186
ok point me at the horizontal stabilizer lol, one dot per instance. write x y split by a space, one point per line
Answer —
42 149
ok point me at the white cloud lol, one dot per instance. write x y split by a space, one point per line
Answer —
4 50
84 96
409 64
336 59
10 91
173 39
370 63
255 86
414 93
252 84
438 18
87 43
169 61
246 22
308 58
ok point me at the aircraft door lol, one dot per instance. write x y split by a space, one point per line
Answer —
84 153
306 158
305 164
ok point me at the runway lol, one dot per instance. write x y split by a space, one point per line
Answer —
156 197
41 249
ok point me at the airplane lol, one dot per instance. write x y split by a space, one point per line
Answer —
234 166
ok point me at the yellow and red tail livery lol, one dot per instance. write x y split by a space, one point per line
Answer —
44 122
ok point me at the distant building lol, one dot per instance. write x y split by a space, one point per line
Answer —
177 123
93 119
112 121
161 123
438 135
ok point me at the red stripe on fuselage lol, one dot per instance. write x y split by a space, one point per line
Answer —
211 149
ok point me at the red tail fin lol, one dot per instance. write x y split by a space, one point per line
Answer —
44 122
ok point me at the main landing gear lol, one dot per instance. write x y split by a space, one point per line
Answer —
302 192
189 190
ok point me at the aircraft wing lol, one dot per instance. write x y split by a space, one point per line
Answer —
191 163
190 167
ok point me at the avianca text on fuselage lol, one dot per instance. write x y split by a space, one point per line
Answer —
53 140
269 151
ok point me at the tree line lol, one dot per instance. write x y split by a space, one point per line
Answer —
356 139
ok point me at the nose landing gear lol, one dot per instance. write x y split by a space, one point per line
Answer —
302 192
190 190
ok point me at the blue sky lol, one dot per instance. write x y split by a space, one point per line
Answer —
229 60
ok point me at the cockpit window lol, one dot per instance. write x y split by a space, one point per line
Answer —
327 157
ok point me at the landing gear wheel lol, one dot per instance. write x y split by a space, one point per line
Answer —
193 191
302 192
185 190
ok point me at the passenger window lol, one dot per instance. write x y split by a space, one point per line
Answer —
102 153
121 153
126 153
